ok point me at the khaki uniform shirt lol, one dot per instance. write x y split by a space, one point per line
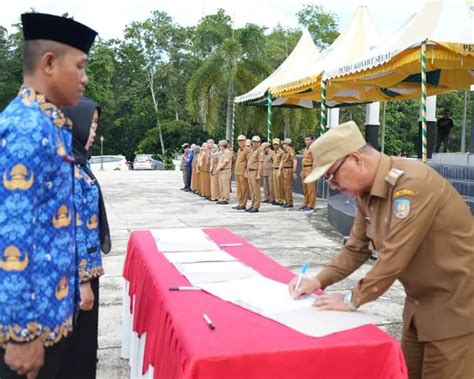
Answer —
268 163
254 158
307 161
225 158
288 157
205 161
277 154
424 234
214 162
241 161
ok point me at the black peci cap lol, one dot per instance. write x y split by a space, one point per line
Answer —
59 29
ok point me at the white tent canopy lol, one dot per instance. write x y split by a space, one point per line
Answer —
359 39
304 55
438 21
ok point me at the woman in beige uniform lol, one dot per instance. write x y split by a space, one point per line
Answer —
214 178
195 174
205 166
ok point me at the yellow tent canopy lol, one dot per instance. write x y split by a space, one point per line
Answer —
392 70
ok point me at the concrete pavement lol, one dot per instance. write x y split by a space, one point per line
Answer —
151 199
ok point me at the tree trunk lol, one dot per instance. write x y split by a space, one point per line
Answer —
155 105
230 110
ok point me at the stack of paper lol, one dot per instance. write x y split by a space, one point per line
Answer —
183 239
198 258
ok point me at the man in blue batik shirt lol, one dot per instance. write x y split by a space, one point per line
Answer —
38 268
188 157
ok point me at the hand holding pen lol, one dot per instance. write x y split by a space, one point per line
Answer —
300 286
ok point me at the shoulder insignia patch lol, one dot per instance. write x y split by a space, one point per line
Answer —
393 175
403 193
401 208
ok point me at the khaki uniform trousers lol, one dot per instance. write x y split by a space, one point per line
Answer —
254 186
451 358
205 183
309 190
268 187
242 190
287 174
277 187
194 180
215 187
224 185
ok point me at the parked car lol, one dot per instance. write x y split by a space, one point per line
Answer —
147 162
110 162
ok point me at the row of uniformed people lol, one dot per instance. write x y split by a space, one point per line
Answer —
277 167
209 172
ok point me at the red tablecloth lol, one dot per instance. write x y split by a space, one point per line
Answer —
179 344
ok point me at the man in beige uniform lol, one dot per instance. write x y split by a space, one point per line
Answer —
205 169
309 189
240 168
224 172
288 166
267 173
254 172
423 232
277 179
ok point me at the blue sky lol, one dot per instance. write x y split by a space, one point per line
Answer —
109 20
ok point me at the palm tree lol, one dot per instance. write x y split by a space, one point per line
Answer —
233 66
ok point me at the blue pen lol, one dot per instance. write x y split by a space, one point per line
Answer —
301 274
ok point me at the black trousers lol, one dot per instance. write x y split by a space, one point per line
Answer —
52 362
441 138
80 358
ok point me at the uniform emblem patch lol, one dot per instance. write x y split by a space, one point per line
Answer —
401 208
403 193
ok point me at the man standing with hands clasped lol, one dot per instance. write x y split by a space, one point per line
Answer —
288 166
423 232
38 267
254 172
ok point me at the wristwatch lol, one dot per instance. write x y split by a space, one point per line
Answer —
348 300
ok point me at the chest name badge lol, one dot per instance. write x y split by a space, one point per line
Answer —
401 208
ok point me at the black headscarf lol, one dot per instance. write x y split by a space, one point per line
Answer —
81 115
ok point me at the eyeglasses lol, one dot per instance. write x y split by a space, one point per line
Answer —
330 178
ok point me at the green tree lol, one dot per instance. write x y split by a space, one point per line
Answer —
153 38
235 60
321 24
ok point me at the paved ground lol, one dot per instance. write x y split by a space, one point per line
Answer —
151 200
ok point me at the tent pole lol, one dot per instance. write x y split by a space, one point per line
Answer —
233 125
269 117
383 126
323 107
464 121
424 131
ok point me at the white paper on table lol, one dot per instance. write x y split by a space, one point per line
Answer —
199 256
210 267
271 299
200 279
259 294
183 239
315 323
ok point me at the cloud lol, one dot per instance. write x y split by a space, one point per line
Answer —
110 18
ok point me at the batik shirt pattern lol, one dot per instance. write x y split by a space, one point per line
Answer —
38 270
86 202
